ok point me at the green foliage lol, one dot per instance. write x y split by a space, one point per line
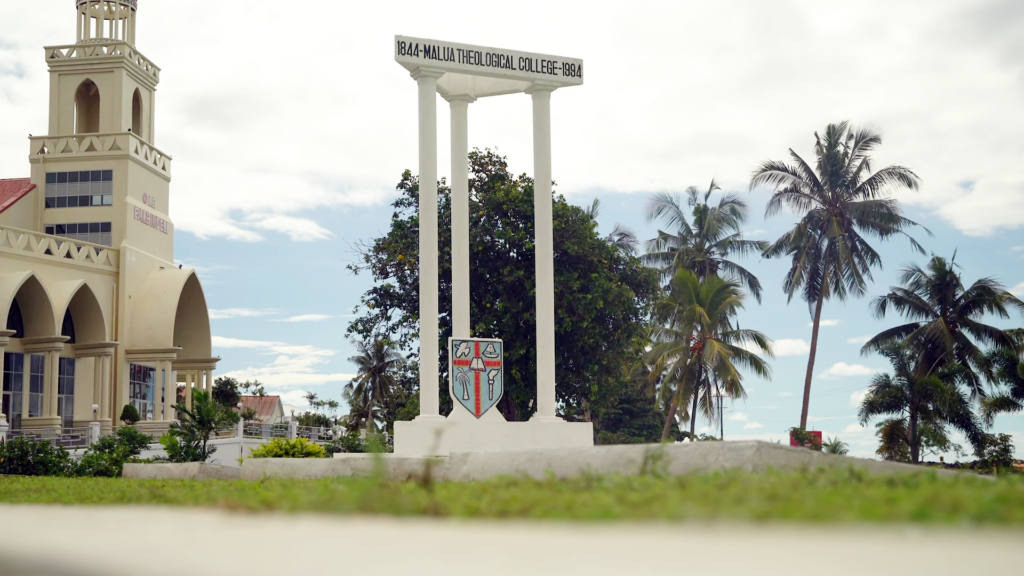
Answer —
376 382
836 446
23 456
313 420
249 414
699 348
284 448
836 495
107 456
188 439
996 451
129 415
225 392
603 293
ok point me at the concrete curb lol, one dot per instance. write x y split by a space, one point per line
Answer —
625 460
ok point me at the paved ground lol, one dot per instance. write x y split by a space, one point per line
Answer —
88 541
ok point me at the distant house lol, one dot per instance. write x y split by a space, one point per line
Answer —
269 409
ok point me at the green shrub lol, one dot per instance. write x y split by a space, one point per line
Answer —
282 448
129 415
24 456
107 457
996 451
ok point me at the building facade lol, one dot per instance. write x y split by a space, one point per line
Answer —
99 316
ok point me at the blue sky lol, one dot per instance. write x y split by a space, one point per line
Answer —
289 134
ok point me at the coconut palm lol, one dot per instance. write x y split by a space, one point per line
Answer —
918 401
945 316
841 203
377 364
705 244
622 237
698 349
1007 364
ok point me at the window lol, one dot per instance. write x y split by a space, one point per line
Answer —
80 189
137 114
87 108
66 392
36 382
14 320
141 390
95 232
14 378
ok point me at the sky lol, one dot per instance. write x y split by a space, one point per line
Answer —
290 124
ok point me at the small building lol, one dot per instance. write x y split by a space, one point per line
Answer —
98 314
268 409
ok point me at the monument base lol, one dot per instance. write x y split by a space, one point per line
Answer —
442 437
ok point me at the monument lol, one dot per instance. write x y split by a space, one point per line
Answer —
461 74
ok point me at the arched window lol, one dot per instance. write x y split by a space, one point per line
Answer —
137 114
87 108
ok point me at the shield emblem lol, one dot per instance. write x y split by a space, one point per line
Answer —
476 373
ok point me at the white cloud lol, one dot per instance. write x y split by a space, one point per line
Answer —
1017 249
826 323
859 340
783 347
306 318
755 232
854 428
752 426
739 416
299 229
843 370
294 365
1018 290
785 394
223 313
857 397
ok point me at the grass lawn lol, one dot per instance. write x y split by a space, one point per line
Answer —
819 496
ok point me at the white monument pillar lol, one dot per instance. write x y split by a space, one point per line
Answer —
460 215
426 80
544 252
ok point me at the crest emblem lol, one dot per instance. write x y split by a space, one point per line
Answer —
476 373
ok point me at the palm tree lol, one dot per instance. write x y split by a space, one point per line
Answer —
919 402
622 237
1008 367
698 349
945 319
840 201
311 399
704 245
377 364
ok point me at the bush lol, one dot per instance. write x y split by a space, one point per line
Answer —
282 448
109 454
129 415
996 451
24 456
189 439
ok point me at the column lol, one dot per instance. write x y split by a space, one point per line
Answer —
50 391
426 81
106 389
170 390
460 215
5 339
544 252
189 380
97 383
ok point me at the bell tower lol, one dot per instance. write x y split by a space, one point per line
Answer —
105 181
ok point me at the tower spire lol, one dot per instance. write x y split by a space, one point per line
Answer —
106 20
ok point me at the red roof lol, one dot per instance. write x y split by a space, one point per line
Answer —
263 405
14 189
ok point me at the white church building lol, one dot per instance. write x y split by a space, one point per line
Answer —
98 314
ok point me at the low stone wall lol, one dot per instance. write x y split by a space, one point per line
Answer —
189 471
669 459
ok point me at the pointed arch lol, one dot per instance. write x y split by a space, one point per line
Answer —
87 108
170 312
77 301
138 120
33 301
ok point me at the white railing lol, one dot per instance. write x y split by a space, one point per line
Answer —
66 437
100 144
315 434
264 430
57 248
104 49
